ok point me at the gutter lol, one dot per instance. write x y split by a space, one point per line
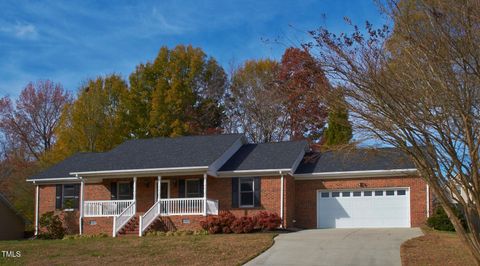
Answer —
355 174
176 170
53 179
260 172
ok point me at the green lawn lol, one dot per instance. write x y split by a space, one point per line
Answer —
228 249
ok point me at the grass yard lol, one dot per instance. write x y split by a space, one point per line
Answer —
435 248
228 249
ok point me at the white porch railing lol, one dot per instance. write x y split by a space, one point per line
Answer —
105 208
122 219
179 206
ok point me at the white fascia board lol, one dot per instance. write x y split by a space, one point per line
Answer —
53 179
357 174
260 172
170 170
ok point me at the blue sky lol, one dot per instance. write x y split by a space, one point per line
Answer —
71 41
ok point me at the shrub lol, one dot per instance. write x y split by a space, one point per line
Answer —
243 225
440 221
267 221
53 225
219 224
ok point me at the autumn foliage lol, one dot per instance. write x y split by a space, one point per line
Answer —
227 223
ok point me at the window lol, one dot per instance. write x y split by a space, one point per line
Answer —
335 194
346 194
70 197
379 193
67 196
357 193
401 192
125 190
246 190
325 194
390 192
192 188
367 193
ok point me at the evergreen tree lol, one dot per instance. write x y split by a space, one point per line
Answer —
339 130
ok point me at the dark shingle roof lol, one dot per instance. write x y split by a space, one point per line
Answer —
81 160
355 160
275 155
188 151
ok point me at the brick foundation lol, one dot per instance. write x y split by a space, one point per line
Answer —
97 225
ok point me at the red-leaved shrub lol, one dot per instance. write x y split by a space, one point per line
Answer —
243 225
219 224
267 220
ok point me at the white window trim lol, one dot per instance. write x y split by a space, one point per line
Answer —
63 197
118 189
250 179
186 187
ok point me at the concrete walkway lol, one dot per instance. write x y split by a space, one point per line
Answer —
338 247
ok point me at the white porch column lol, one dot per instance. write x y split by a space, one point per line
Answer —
37 197
205 194
281 198
135 193
80 222
159 187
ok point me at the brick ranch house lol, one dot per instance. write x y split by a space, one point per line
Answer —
175 183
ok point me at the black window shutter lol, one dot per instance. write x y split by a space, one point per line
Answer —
76 202
256 192
131 190
235 192
113 190
181 188
201 187
58 197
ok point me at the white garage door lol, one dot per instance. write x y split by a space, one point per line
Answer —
385 207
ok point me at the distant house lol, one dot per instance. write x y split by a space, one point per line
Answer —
12 224
180 181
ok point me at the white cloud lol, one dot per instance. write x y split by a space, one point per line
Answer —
20 30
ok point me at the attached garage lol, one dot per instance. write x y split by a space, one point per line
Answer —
363 208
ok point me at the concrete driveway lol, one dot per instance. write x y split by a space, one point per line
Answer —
338 247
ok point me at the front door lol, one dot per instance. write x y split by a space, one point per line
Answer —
165 188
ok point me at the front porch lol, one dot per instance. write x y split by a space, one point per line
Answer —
147 198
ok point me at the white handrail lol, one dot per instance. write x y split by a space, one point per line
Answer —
148 217
122 219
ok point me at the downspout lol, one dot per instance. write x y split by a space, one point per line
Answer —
80 222
281 199
37 197
428 201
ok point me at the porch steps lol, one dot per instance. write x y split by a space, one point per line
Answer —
131 228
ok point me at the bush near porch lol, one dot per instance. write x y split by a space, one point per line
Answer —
227 223
229 249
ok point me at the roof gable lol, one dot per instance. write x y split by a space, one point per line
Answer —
266 156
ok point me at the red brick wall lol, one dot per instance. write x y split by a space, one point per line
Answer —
221 189
306 196
47 194
289 201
